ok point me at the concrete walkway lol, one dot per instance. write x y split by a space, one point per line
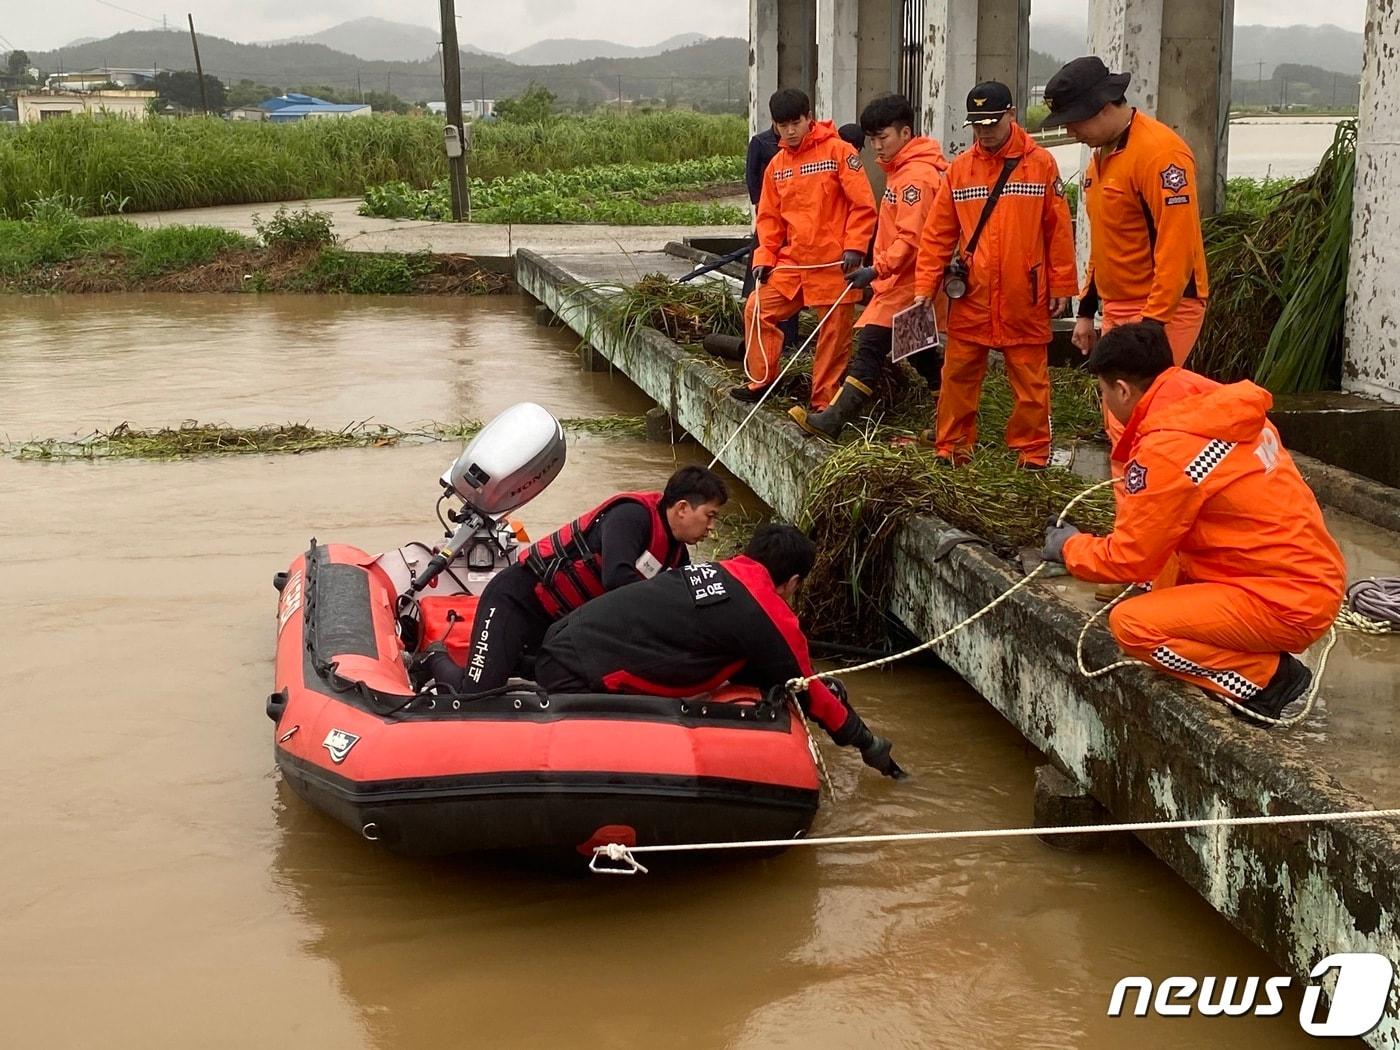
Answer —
364 234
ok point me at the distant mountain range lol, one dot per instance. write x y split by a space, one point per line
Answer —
381 40
375 54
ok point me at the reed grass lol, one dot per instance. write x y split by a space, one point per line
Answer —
151 165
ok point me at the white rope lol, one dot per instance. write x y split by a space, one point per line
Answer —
617 852
791 361
796 685
756 327
1351 620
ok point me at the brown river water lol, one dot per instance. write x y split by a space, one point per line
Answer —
164 890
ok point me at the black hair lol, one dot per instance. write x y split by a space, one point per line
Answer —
789 104
695 485
784 550
887 111
1136 353
852 135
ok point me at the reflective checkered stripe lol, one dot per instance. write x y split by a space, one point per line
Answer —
1208 459
1232 682
1024 189
972 193
817 166
889 197
782 173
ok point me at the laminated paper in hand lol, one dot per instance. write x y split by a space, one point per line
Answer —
915 331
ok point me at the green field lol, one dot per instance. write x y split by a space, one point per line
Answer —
151 165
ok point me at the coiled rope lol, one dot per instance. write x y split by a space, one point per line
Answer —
1372 606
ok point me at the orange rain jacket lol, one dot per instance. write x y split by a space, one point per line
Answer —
1207 479
816 204
1024 256
911 184
1144 222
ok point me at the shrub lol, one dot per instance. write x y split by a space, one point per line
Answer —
298 229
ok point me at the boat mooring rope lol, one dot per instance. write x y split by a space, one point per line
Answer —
618 853
1372 606
791 360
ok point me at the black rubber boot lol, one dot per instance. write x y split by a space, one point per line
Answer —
746 394
844 407
729 347
1289 682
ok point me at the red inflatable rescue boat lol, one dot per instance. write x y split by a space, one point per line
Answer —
514 769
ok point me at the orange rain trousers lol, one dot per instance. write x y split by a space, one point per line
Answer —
1182 331
833 341
1028 429
1213 635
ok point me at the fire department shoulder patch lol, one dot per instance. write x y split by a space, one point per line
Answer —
1134 478
853 162
1059 187
1173 177
912 195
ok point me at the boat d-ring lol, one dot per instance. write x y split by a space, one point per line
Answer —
288 735
456 705
370 831
518 705
544 704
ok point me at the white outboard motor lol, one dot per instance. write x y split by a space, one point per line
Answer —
509 463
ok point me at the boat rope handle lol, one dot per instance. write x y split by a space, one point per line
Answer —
618 853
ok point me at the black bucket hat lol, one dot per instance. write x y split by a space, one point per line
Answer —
1082 88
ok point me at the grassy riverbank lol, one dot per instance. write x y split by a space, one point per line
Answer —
156 165
54 249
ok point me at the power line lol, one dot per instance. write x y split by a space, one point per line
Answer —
129 11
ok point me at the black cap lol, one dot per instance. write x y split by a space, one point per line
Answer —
1080 89
987 102
853 135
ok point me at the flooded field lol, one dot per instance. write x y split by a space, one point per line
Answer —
164 890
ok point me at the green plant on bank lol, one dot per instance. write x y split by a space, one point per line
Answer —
684 313
293 230
361 273
151 165
193 438
54 232
616 193
1278 279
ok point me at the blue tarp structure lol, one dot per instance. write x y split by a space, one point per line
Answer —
294 106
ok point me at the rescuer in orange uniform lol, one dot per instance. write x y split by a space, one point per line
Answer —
1019 273
1206 480
815 219
1147 261
913 166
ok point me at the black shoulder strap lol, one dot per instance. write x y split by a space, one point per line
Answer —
1006 169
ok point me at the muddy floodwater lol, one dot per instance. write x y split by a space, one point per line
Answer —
162 889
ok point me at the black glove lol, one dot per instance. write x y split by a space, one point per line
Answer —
850 260
863 277
1055 537
877 756
761 273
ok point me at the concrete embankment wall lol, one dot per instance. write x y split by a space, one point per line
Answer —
1144 746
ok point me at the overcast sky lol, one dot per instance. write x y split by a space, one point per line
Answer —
502 25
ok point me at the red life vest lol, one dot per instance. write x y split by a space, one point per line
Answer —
571 572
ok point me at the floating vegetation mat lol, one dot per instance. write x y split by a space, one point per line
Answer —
209 439
685 313
868 490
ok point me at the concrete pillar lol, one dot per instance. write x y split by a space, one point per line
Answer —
782 53
1194 87
1179 55
1371 359
965 43
1062 803
858 55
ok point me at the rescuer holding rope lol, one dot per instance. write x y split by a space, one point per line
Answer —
1206 480
815 219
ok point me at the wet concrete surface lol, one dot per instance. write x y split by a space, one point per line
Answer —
164 890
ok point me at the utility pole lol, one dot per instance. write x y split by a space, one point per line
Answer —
452 97
481 109
199 69
1334 90
358 86
619 92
